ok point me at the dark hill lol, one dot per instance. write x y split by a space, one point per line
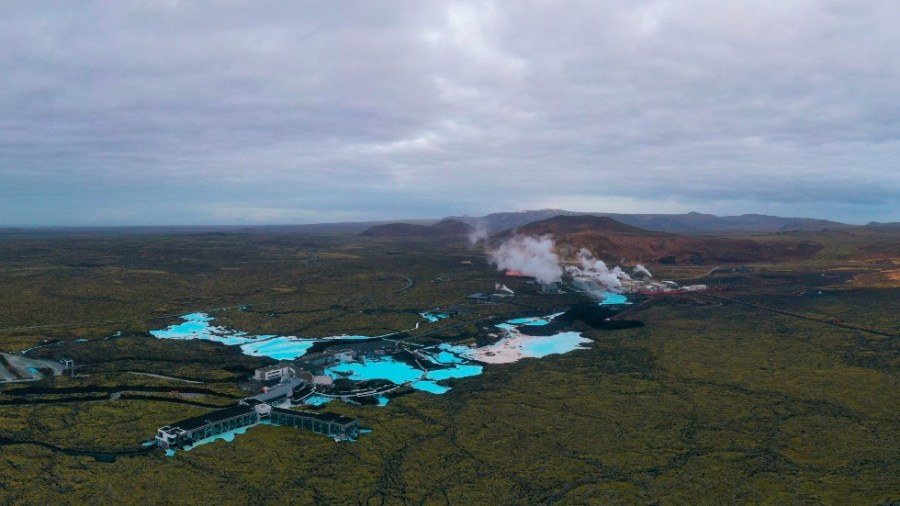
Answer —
563 225
445 228
611 240
689 223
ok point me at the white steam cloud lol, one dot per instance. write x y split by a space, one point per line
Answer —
596 270
536 257
531 256
639 268
503 288
479 234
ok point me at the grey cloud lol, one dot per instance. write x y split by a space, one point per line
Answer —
303 110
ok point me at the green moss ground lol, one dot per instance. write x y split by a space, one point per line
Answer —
710 403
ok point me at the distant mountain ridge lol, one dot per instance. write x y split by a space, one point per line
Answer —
689 223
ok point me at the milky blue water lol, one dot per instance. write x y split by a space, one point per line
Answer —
279 348
459 371
434 317
528 321
459 361
401 373
430 387
316 400
611 299
382 368
197 326
382 401
445 356
563 342
225 436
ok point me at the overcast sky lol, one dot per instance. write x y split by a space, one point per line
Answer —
229 112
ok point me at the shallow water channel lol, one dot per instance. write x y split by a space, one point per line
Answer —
446 361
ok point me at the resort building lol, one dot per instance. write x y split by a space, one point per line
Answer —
330 424
277 371
188 431
277 394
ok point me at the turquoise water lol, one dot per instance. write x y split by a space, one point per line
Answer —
316 400
383 368
382 401
610 299
434 317
226 436
400 373
197 326
430 387
529 321
460 371
563 342
460 361
279 348
446 357
32 370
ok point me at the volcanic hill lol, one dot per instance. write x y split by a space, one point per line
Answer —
689 223
445 228
610 239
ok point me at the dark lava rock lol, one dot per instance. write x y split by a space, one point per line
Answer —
595 316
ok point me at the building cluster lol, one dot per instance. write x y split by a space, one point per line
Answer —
190 431
651 286
279 387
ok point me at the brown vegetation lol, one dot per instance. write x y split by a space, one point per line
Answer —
609 239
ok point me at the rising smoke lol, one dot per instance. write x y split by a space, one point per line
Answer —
503 288
536 257
639 268
596 270
531 256
479 234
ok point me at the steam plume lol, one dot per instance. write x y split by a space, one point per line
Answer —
503 288
640 268
479 234
596 270
530 256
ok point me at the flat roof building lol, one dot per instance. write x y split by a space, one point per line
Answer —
337 426
279 371
194 429
278 393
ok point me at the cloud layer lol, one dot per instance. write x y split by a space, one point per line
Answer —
278 112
